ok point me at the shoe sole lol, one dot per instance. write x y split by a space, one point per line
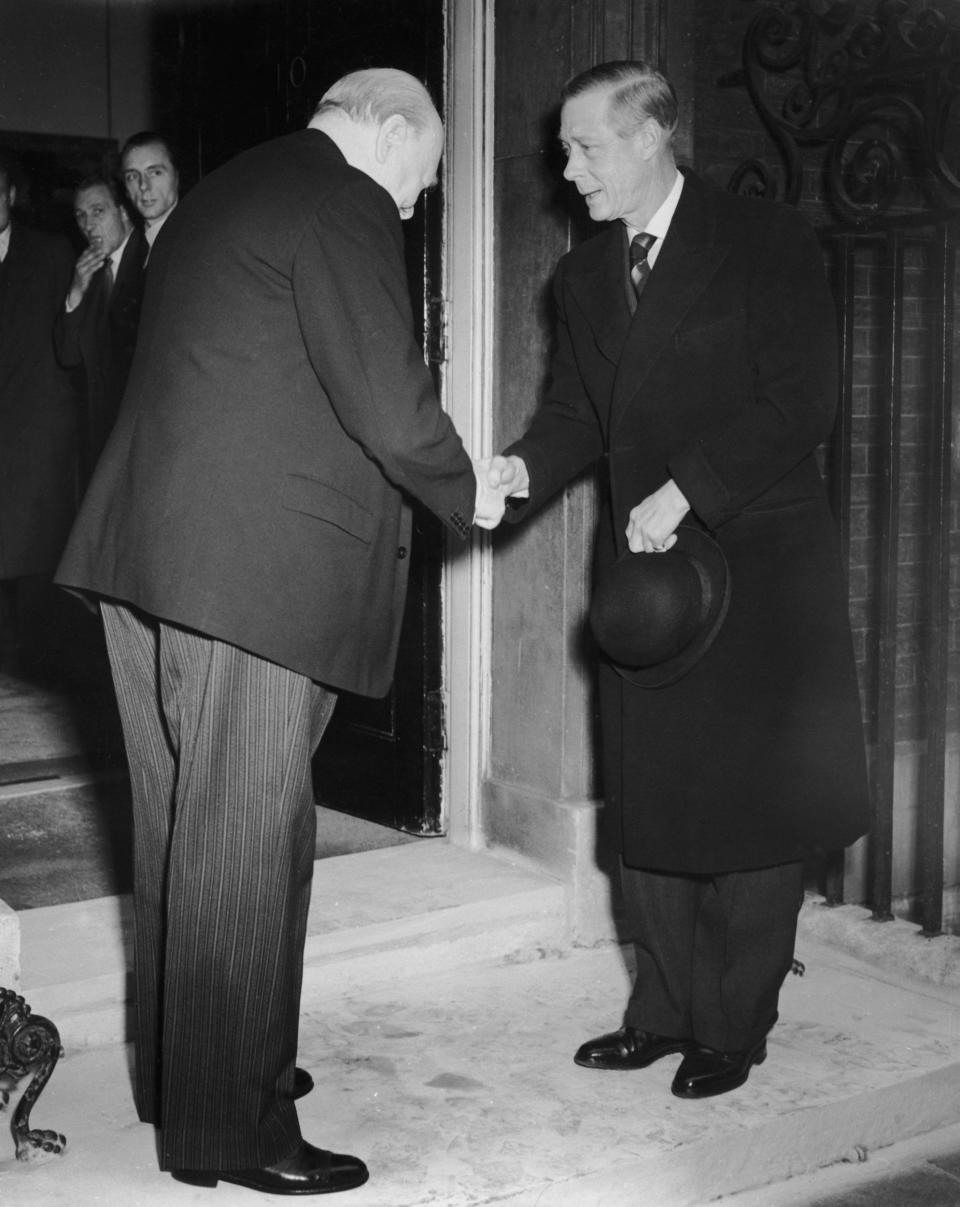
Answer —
200 1178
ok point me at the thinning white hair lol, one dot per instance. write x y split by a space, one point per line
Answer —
376 93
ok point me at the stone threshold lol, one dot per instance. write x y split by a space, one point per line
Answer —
374 916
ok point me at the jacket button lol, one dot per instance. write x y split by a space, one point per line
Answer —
402 552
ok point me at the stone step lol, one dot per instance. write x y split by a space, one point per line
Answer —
374 916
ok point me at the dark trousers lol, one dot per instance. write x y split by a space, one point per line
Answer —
712 951
219 745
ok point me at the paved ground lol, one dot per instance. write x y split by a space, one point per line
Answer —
454 1081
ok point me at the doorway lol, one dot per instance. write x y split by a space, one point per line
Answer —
228 74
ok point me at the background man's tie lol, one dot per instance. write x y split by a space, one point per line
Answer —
639 265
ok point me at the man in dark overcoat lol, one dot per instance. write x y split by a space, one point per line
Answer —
38 429
96 329
703 378
247 530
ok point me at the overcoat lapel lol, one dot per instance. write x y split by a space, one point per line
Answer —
129 279
598 286
685 267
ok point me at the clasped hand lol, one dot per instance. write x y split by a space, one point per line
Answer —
653 522
498 478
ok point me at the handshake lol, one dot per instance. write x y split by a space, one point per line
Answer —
497 479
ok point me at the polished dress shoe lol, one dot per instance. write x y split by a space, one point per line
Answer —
307 1170
628 1048
704 1072
302 1082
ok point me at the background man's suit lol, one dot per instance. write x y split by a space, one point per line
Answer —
723 380
253 492
38 431
100 336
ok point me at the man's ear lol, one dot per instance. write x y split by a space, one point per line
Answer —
649 137
12 194
391 136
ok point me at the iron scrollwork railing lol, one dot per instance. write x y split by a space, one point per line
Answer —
29 1050
879 90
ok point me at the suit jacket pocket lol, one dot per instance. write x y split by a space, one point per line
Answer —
314 498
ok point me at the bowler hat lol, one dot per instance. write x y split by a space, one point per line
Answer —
654 615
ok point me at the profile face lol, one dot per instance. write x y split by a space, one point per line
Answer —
609 169
151 180
416 167
102 221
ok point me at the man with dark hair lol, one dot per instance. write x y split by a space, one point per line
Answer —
96 329
151 178
38 433
696 362
247 532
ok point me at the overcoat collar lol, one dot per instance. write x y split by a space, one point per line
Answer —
131 263
688 260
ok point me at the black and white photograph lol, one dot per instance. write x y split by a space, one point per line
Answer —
480 602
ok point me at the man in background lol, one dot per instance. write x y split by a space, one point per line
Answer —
247 532
96 329
151 178
38 430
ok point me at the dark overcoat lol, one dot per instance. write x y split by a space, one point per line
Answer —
38 431
278 415
725 380
99 337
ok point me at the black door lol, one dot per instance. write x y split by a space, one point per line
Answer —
231 74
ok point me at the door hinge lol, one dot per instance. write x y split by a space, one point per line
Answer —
434 730
438 313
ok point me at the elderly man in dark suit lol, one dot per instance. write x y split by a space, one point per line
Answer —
247 531
96 330
38 430
696 361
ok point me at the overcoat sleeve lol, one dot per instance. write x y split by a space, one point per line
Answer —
564 438
66 336
352 298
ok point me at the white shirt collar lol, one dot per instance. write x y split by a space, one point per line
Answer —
659 224
5 241
152 229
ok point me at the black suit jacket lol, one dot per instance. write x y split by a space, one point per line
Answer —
99 336
38 473
278 414
724 379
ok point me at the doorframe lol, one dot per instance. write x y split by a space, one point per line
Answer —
466 391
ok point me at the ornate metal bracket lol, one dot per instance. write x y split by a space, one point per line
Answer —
879 90
29 1049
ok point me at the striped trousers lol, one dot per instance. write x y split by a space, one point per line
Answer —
219 744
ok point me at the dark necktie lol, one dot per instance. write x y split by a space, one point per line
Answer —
639 265
107 276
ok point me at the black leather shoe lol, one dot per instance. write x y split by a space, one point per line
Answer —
628 1048
307 1170
704 1072
302 1082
